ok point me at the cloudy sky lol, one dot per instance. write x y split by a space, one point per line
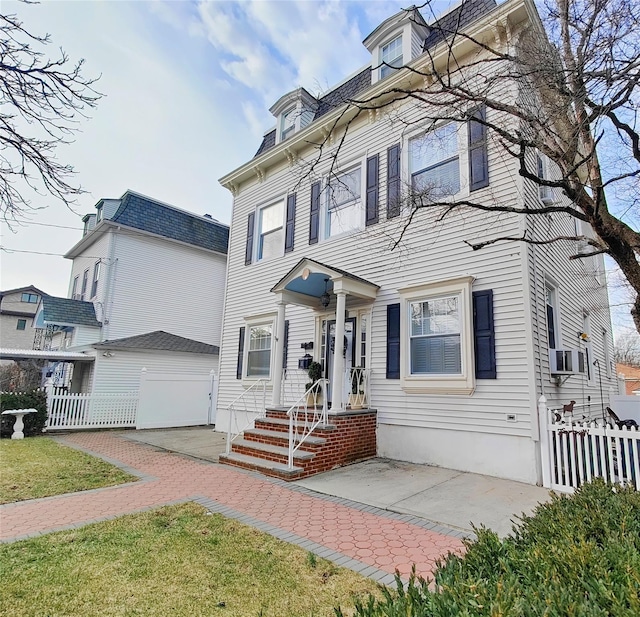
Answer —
187 88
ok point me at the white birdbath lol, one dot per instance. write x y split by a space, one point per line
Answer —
19 424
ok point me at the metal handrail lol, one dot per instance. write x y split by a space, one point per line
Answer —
313 416
259 409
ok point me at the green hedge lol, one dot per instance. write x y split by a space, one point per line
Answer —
34 423
577 555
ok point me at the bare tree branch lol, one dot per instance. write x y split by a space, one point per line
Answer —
42 100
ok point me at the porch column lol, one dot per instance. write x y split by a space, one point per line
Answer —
277 365
337 378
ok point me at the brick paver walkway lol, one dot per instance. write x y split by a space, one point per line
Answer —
364 538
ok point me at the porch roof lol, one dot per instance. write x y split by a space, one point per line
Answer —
42 354
309 279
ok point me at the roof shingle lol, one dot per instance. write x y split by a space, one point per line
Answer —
68 311
146 214
160 341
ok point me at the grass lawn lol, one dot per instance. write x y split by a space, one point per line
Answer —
40 467
179 561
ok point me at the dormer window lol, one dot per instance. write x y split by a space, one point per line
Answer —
391 56
293 112
288 124
99 215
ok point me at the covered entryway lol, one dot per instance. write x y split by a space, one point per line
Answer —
324 288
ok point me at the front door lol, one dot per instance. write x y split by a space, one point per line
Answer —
348 348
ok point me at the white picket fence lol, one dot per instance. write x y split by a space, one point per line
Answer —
576 452
78 411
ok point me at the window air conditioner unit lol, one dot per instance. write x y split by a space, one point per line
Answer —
546 195
566 361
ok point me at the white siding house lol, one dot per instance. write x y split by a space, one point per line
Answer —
455 342
146 291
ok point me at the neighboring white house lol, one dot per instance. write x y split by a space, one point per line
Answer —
457 345
146 291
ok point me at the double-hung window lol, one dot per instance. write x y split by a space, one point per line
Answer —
434 162
434 336
344 203
390 57
96 276
270 231
288 124
85 279
259 350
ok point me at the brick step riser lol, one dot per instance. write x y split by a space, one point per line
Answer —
268 456
282 442
264 423
282 415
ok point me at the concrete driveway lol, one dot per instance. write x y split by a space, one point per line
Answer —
444 496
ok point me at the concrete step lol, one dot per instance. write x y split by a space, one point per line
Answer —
261 465
255 434
271 449
281 424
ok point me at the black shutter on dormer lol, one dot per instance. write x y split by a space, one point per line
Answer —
248 253
372 190
393 341
393 181
240 353
314 220
483 332
478 154
290 224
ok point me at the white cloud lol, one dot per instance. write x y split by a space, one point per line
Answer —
274 47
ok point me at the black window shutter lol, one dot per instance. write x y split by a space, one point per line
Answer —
291 223
478 155
393 181
285 349
240 353
248 253
551 327
314 221
372 190
483 332
393 341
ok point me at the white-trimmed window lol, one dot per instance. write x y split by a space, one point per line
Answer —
343 203
437 330
74 289
434 161
391 56
434 336
288 124
553 331
270 231
94 282
85 280
259 342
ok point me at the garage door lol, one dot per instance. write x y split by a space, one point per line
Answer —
168 400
